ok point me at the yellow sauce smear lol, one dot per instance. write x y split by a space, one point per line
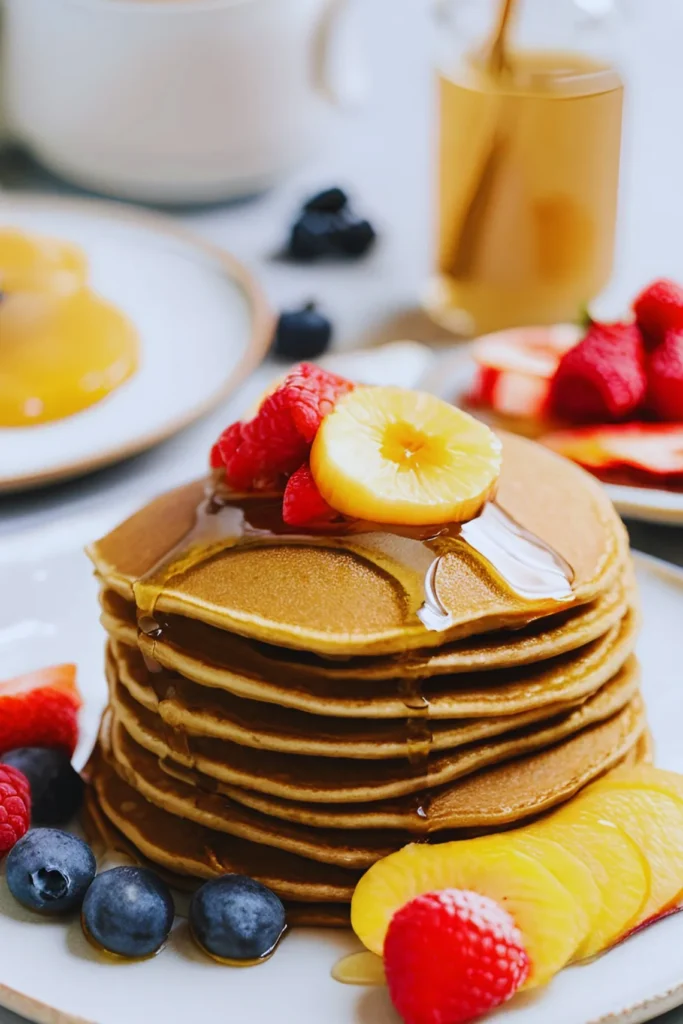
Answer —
360 969
62 347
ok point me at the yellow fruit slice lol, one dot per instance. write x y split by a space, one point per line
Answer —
391 455
615 862
654 821
572 872
551 922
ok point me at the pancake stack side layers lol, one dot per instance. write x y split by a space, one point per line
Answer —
295 706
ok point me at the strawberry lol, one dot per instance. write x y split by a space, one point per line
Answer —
658 309
40 709
451 956
601 379
302 502
665 378
15 807
265 450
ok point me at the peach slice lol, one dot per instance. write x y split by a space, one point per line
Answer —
615 862
654 821
552 923
572 872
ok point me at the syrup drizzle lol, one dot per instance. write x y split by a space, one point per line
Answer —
515 558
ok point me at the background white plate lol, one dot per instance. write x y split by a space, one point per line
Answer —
202 320
48 613
450 377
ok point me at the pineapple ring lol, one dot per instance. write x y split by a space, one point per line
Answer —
390 455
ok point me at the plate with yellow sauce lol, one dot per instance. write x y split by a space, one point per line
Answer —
117 329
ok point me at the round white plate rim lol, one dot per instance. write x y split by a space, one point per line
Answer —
446 378
257 345
652 1005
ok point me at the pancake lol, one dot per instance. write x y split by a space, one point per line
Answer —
343 780
194 798
562 680
486 800
215 649
189 849
103 836
359 593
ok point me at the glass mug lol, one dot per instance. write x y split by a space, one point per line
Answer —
528 165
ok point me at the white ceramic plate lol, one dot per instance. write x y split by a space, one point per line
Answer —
202 320
48 613
450 377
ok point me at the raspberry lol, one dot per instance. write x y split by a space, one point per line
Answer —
665 378
15 807
40 710
267 449
215 457
312 393
601 379
451 956
658 309
302 502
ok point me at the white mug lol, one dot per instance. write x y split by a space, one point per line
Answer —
170 100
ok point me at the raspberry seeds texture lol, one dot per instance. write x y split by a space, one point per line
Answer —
451 956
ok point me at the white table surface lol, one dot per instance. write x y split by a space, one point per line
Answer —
382 153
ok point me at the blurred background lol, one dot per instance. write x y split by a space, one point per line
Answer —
228 116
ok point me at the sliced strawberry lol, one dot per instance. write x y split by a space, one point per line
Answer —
303 503
658 309
511 394
653 449
532 351
40 709
665 378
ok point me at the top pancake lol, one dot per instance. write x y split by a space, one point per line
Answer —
338 596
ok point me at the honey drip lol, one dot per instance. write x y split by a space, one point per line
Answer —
516 559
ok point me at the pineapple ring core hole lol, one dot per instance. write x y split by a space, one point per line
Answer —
407 446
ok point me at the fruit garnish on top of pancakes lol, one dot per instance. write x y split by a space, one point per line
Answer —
610 397
381 454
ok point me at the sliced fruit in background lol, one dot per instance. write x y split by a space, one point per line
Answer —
602 379
532 351
654 822
549 918
570 870
40 709
514 368
647 447
616 864
391 455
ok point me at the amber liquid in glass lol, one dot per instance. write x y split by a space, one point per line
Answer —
528 181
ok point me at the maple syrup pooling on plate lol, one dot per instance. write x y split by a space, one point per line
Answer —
519 561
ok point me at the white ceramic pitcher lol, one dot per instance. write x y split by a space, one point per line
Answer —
171 100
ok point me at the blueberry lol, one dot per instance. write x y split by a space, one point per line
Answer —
331 200
50 871
236 918
302 334
56 787
355 237
128 911
312 235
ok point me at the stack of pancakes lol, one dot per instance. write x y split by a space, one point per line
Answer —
279 710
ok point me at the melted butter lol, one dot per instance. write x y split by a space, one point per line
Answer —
360 969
